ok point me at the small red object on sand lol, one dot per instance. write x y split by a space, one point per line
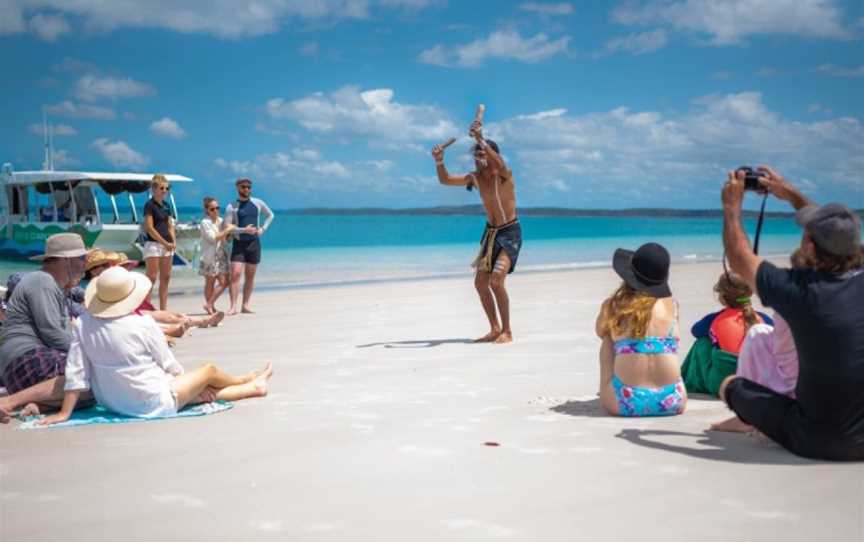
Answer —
490 443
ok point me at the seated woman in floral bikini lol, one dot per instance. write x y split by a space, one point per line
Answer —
639 366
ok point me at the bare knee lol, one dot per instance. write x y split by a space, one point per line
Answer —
497 282
209 368
481 282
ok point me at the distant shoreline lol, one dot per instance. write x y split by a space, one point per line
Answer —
529 211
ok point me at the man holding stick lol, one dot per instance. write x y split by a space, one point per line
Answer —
502 238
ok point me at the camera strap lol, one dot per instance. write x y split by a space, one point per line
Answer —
759 225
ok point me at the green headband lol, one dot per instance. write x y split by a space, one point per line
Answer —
743 300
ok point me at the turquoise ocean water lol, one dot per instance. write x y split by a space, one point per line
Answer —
309 250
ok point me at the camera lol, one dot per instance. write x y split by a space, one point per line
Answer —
751 179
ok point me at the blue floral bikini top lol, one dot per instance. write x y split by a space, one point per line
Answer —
650 345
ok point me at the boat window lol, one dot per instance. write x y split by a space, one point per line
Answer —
85 203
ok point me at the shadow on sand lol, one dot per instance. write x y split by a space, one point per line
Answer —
428 343
716 446
589 408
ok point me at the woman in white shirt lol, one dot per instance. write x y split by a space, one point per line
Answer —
214 256
123 357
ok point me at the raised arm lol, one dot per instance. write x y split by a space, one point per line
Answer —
444 177
494 159
742 260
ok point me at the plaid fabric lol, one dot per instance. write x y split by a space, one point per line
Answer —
37 365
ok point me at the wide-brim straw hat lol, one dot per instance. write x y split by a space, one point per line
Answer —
116 292
645 270
63 245
97 257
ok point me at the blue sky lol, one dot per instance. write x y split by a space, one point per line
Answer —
335 103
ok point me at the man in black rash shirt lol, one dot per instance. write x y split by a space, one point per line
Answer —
824 307
252 217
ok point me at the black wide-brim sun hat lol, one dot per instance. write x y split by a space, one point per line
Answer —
645 270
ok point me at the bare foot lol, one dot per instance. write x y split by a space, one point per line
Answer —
732 425
31 409
262 382
216 319
231 312
489 337
247 310
266 371
209 309
504 338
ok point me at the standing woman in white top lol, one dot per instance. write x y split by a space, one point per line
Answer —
161 242
123 357
214 256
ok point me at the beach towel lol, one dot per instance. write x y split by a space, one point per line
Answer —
99 415
706 366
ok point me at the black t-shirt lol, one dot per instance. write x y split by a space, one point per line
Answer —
247 214
826 315
161 213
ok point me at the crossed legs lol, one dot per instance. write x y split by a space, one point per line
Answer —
226 387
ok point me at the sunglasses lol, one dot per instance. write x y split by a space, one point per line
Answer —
245 187
164 188
216 208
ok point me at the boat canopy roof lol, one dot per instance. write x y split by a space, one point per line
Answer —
37 177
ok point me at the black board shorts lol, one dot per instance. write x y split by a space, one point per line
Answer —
246 251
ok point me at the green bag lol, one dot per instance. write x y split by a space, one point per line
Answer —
706 366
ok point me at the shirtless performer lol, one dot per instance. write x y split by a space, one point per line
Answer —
502 239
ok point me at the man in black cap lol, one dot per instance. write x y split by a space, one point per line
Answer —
824 307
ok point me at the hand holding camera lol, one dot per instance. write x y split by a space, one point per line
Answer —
753 178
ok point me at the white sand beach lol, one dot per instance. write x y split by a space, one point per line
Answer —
375 429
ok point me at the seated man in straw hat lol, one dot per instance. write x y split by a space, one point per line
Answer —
36 333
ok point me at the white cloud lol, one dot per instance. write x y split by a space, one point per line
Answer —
168 127
307 170
63 158
74 110
560 8
59 130
839 71
501 44
729 21
638 44
223 18
93 87
120 155
622 148
11 19
49 27
371 113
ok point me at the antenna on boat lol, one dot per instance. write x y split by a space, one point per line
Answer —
45 164
48 131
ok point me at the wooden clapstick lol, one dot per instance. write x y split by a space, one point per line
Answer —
478 115
448 143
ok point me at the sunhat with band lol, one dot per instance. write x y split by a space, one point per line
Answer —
63 245
646 270
98 257
116 292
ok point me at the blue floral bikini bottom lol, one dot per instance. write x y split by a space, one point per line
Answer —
636 401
